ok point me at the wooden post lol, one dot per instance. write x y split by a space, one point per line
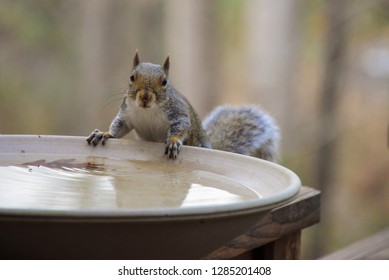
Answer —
278 234
285 248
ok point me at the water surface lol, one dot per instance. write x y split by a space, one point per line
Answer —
101 183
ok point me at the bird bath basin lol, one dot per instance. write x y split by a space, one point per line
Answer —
63 199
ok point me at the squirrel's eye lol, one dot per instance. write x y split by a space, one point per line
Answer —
164 82
132 78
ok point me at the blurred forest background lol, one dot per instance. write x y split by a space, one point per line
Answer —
321 68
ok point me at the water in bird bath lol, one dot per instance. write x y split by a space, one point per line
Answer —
101 183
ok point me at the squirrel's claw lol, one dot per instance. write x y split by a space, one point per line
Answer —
173 146
96 136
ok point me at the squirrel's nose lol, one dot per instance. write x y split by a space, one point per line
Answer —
145 98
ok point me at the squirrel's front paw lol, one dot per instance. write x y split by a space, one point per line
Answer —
173 146
96 136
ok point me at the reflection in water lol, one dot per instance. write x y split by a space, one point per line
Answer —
103 183
42 187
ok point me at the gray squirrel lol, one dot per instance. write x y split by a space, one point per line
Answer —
160 113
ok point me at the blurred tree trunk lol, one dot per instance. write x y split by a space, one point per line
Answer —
191 29
272 59
326 162
92 65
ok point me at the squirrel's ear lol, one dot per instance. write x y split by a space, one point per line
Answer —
166 65
136 60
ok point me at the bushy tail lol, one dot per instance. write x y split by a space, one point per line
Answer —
244 130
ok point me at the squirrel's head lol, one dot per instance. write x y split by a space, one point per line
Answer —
148 82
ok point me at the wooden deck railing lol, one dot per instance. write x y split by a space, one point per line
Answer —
374 247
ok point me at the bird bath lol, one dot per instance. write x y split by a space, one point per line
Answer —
63 199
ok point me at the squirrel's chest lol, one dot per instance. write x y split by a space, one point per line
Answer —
150 124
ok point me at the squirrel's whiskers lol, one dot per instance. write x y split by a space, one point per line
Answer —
112 99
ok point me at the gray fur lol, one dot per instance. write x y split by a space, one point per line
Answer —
159 113
244 130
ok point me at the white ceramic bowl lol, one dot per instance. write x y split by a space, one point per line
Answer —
136 203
